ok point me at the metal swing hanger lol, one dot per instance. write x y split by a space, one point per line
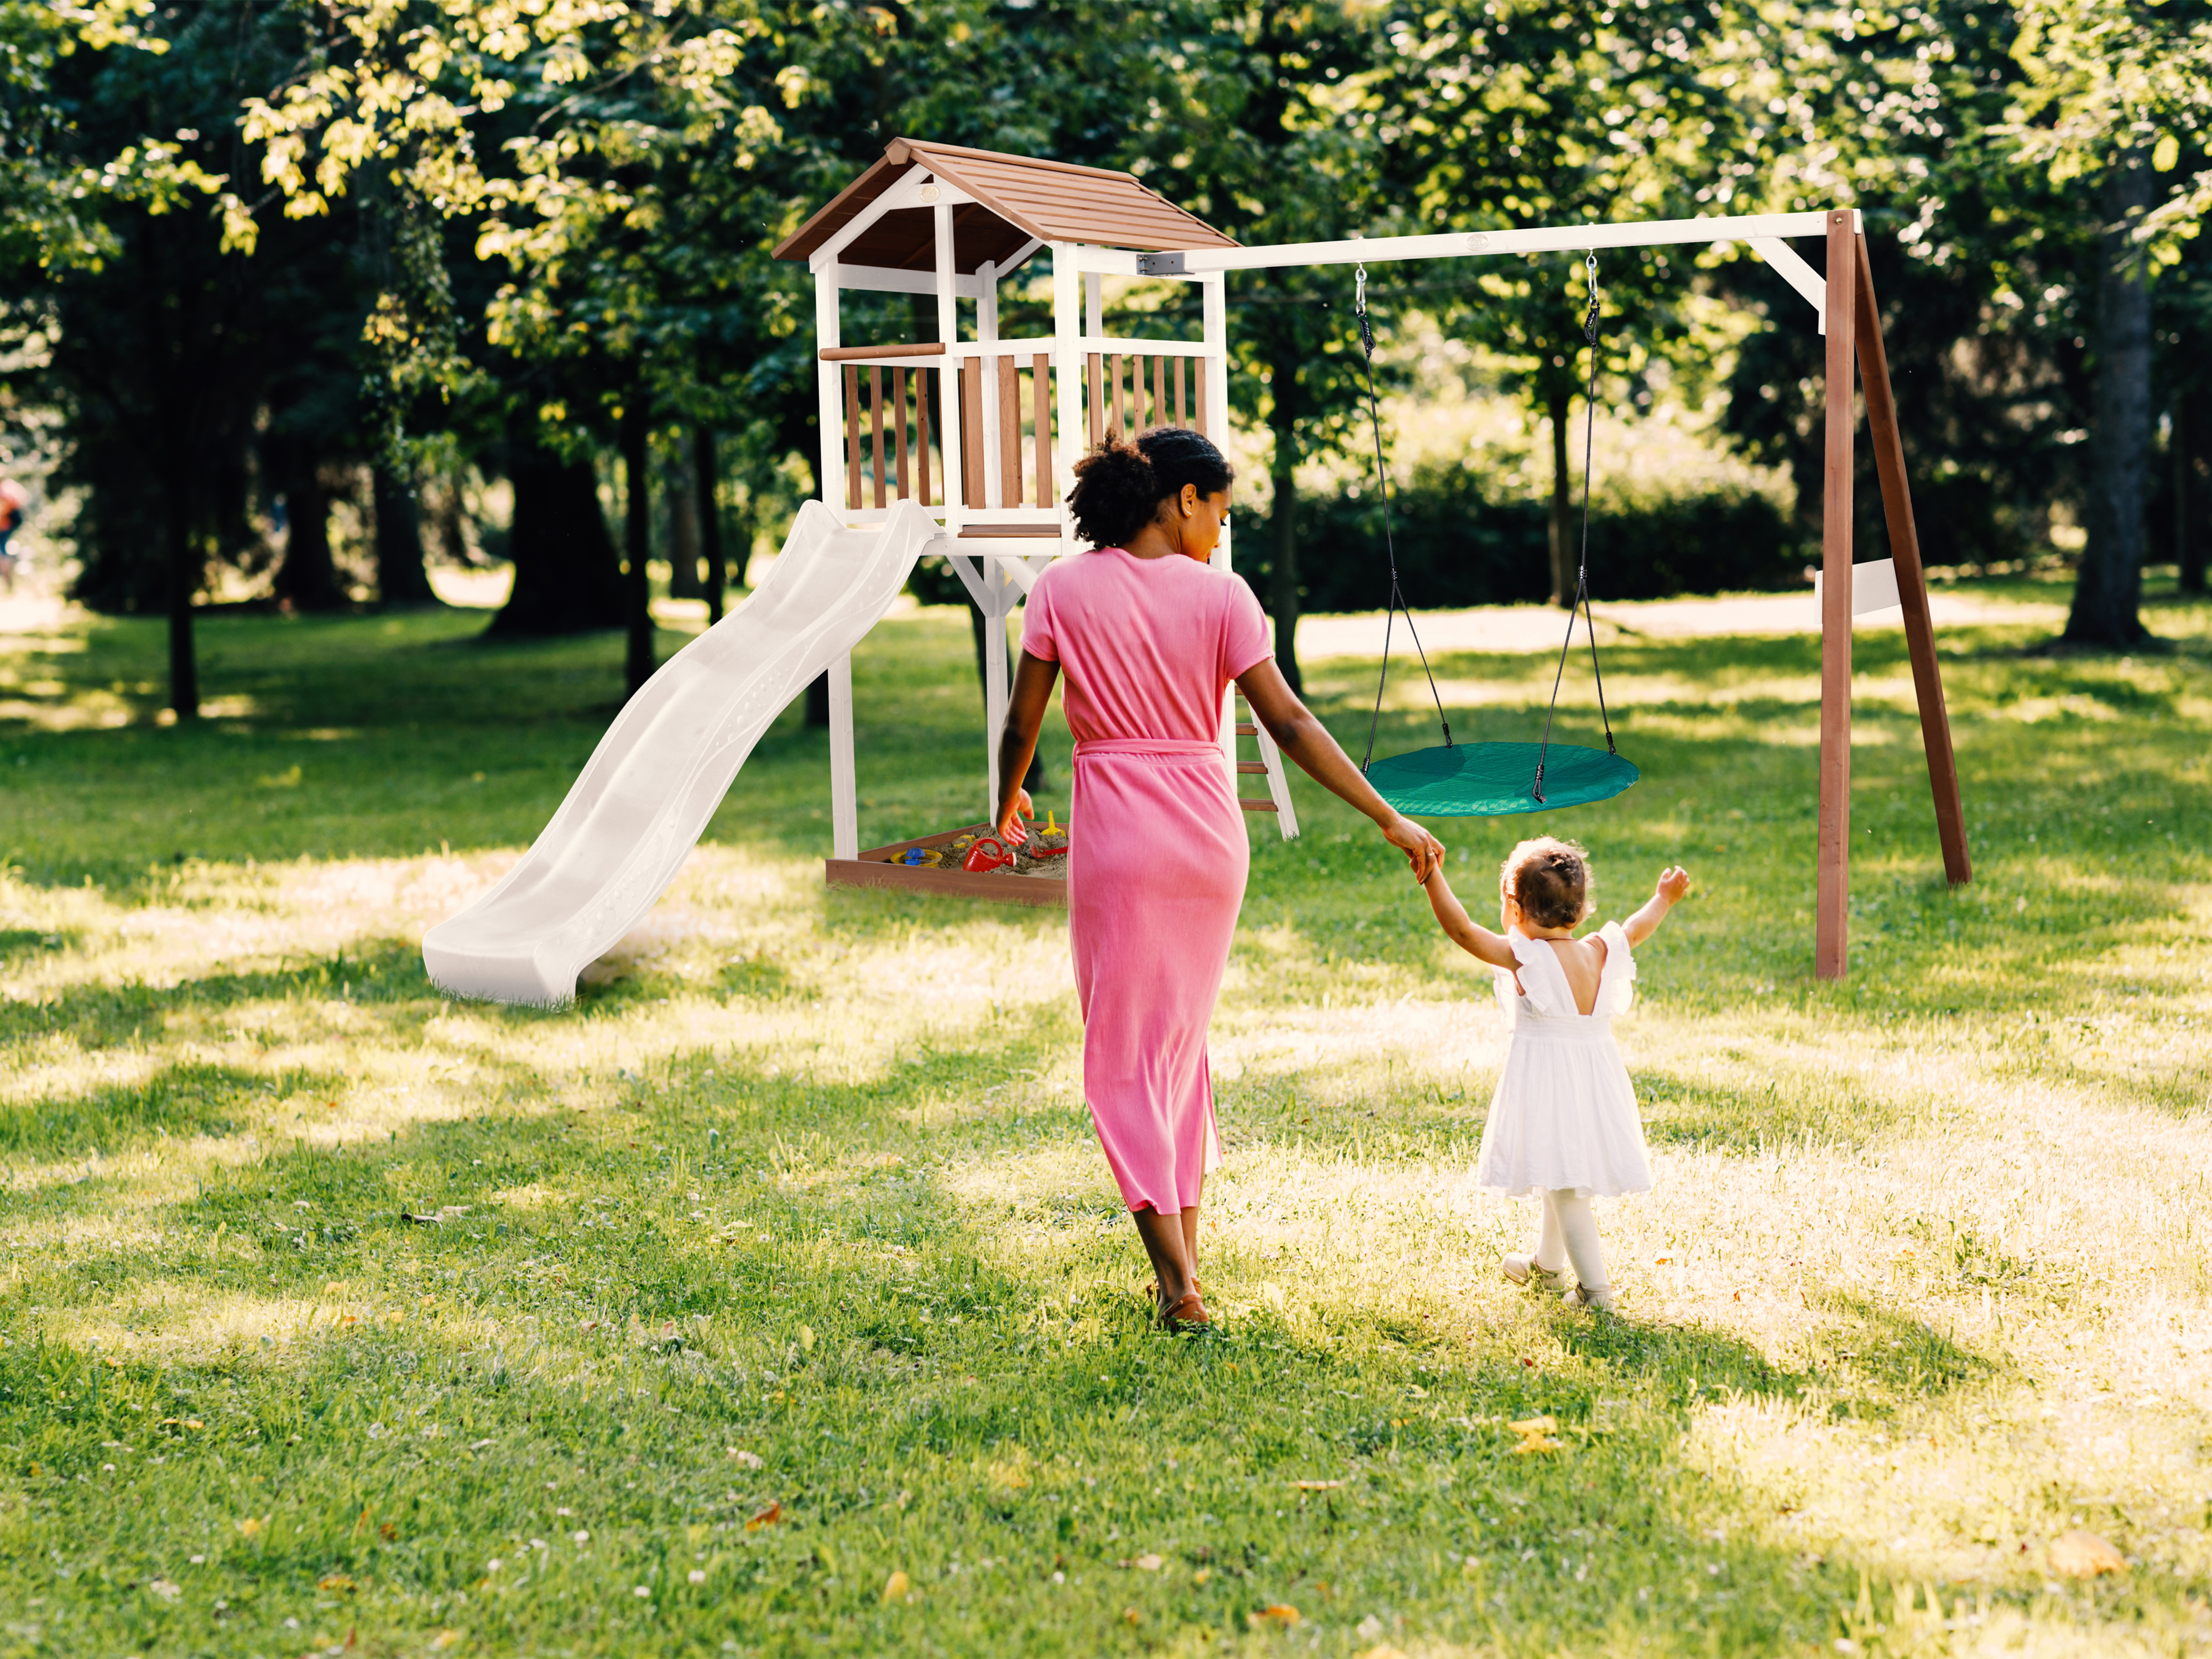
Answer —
1582 569
1397 604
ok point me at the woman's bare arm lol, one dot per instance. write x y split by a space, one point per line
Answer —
1307 741
1470 935
1034 678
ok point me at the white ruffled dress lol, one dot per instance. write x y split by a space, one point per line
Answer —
1565 1113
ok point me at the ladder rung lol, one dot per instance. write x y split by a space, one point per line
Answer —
1252 766
1246 729
1251 805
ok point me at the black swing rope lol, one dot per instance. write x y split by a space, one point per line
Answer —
1390 552
1581 572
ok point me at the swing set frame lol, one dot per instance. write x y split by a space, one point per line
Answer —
1844 299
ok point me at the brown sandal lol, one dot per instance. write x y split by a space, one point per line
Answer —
1188 1314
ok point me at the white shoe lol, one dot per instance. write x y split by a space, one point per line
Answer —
1583 1297
1523 1268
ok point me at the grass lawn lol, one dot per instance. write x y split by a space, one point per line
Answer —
776 1299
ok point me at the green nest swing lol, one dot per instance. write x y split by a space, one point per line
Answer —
1491 780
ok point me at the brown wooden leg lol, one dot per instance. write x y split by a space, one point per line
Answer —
1912 579
1832 912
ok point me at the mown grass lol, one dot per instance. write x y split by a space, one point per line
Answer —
688 1320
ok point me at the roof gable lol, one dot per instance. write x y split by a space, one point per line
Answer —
1018 199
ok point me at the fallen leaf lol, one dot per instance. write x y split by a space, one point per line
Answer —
1535 1425
337 1581
1277 1612
1202 1575
251 1525
806 1337
1148 1564
168 1588
1316 1486
767 1517
750 1460
896 1586
444 1639
2084 1555
1129 1615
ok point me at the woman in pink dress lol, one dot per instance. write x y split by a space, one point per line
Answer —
1149 637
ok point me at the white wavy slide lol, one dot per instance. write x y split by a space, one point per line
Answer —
643 799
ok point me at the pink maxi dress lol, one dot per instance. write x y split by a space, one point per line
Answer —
1157 858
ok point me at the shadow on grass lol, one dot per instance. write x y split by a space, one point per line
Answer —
1698 1116
188 1098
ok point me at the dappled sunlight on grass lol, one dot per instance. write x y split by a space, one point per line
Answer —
350 1290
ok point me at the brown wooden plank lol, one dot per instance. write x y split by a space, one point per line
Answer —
1912 579
1048 490
1179 365
922 432
1246 729
1198 392
1009 373
1095 381
1259 805
1009 531
852 438
1159 391
899 420
1119 429
971 431
1832 904
876 424
876 353
1252 766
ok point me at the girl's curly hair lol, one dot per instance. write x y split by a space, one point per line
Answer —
1550 879
1119 485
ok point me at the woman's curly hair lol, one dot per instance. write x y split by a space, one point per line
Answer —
1119 486
1550 879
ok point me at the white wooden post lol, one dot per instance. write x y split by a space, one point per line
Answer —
986 334
948 379
1067 366
1002 593
844 786
829 394
1213 295
1094 304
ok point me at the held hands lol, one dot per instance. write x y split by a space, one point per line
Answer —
1423 851
1010 826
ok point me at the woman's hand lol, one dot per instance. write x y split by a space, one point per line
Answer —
1010 825
1423 851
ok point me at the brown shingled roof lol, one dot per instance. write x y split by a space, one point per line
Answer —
1017 197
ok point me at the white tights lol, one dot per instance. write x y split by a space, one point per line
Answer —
1569 1231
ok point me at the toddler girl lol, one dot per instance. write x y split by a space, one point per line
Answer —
1562 1123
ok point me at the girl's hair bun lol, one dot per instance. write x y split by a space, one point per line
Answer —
1120 484
1549 880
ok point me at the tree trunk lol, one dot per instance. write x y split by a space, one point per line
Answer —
706 474
185 573
2189 436
400 578
1283 516
567 578
1556 405
637 541
683 495
308 579
2108 592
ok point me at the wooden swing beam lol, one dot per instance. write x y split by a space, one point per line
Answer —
1855 360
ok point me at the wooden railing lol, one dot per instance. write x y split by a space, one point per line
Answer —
891 391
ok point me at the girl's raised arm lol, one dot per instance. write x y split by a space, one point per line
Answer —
1470 935
1674 882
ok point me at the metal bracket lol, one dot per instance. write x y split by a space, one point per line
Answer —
1168 263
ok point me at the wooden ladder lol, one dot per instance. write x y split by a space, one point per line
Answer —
1269 766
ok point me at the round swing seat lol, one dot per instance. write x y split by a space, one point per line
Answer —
1495 780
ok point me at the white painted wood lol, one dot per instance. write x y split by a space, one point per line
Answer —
995 672
1067 384
1094 301
844 781
1873 589
1213 295
830 393
987 343
876 279
948 387
906 193
1546 239
1793 270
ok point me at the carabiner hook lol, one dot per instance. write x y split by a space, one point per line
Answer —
1590 322
1360 290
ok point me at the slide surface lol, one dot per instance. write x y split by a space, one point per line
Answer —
663 766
